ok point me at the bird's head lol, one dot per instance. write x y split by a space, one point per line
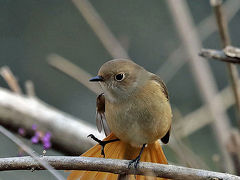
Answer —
120 78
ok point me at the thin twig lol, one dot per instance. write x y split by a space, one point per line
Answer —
203 76
69 134
113 166
218 55
223 31
73 71
100 28
30 91
10 79
29 151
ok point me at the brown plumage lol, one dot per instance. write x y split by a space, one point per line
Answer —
136 108
100 115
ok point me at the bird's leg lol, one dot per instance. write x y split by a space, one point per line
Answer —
135 161
102 143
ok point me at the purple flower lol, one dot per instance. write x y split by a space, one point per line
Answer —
46 140
34 127
47 144
48 134
21 131
46 137
40 136
35 139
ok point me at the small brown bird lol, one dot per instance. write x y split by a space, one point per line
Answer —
134 111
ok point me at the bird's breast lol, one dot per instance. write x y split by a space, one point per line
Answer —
143 118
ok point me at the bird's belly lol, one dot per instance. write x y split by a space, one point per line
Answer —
136 124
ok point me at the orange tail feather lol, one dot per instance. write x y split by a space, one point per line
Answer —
117 150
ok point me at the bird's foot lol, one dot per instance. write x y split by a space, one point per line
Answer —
134 162
101 143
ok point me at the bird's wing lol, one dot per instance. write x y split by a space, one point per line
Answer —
162 84
100 115
165 139
157 79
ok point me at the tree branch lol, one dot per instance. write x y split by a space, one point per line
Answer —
218 55
221 55
74 71
113 166
69 134
10 79
225 38
199 118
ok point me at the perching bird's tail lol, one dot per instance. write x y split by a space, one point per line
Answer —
120 150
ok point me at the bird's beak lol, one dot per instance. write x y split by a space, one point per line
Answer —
96 78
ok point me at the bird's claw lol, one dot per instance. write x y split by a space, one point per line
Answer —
101 143
134 162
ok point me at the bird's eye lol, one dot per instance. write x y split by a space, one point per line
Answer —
119 77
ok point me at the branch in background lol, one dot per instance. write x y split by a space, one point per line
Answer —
30 91
218 55
114 166
234 149
7 74
29 151
232 69
13 84
203 76
73 71
16 124
201 117
231 51
69 134
221 22
100 28
192 159
205 28
180 148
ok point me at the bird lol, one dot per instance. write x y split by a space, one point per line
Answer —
134 112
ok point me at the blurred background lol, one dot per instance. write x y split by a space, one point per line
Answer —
31 30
